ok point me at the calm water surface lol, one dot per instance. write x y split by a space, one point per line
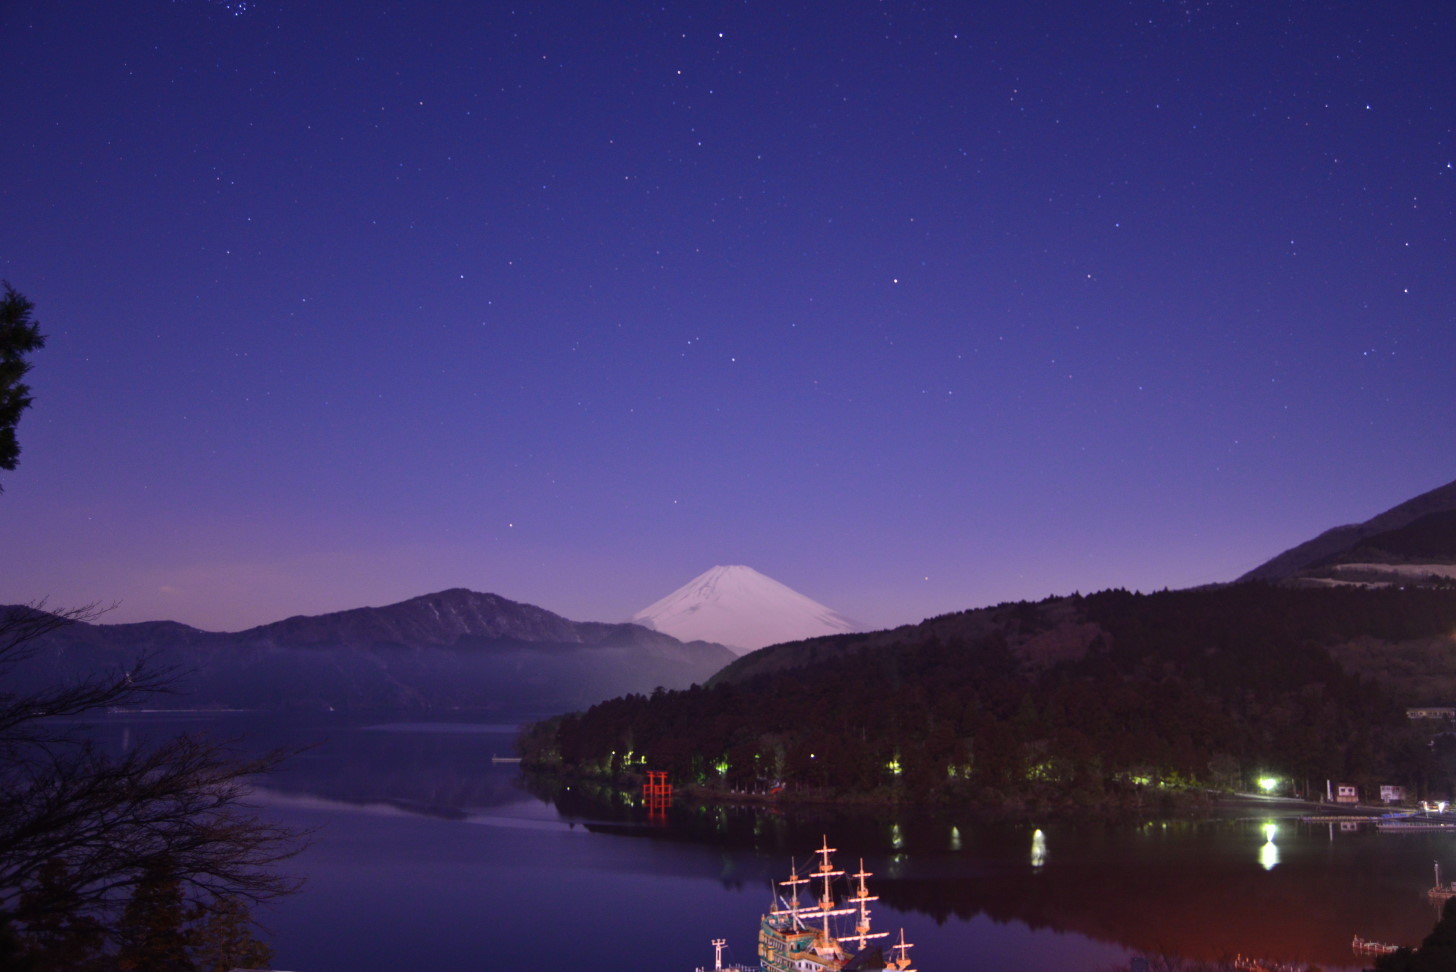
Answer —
425 855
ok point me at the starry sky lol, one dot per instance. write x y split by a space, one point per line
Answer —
912 306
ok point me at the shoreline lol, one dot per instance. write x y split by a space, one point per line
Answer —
1116 803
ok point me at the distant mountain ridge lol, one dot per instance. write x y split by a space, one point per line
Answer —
455 649
443 618
1392 547
739 607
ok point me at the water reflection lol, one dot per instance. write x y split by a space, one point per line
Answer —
1160 885
1180 886
1269 853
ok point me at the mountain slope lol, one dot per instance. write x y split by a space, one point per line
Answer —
1338 540
456 649
741 608
1432 539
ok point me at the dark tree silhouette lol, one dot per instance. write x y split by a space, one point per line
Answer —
19 336
1436 954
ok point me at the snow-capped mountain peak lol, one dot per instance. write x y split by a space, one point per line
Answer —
741 608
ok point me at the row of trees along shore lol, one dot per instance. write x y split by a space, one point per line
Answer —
149 860
1175 692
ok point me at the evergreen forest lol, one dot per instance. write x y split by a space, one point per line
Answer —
1114 699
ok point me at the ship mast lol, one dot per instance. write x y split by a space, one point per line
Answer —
793 885
862 897
827 873
901 962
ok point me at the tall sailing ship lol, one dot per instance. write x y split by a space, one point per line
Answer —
826 933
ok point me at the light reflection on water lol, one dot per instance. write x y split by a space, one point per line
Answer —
1038 848
395 879
1269 853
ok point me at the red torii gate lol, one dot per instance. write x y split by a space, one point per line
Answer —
657 794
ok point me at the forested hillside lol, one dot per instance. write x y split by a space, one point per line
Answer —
1105 698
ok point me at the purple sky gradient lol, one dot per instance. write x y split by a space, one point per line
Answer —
913 307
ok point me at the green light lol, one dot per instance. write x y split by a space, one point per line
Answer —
1268 783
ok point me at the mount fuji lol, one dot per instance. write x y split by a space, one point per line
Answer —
741 608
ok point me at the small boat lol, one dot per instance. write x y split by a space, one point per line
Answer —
1363 946
1245 963
1439 891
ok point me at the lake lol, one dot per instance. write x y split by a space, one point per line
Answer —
426 855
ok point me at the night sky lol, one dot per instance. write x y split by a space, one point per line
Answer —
914 307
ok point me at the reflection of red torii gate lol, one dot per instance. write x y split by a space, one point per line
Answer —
657 794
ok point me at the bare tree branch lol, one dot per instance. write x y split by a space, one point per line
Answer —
22 624
27 720
181 802
80 829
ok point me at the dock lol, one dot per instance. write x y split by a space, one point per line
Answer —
1412 826
1355 818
